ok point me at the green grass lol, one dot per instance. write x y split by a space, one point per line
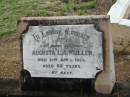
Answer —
12 10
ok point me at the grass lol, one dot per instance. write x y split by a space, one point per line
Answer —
12 10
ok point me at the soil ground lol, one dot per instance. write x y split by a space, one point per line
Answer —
10 57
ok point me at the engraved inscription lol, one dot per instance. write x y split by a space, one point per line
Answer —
63 51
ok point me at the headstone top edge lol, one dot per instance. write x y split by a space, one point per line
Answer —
107 17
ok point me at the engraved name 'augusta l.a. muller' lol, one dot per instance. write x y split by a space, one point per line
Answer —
63 51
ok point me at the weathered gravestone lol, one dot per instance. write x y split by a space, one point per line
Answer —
67 54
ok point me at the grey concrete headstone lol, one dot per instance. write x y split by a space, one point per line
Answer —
69 47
